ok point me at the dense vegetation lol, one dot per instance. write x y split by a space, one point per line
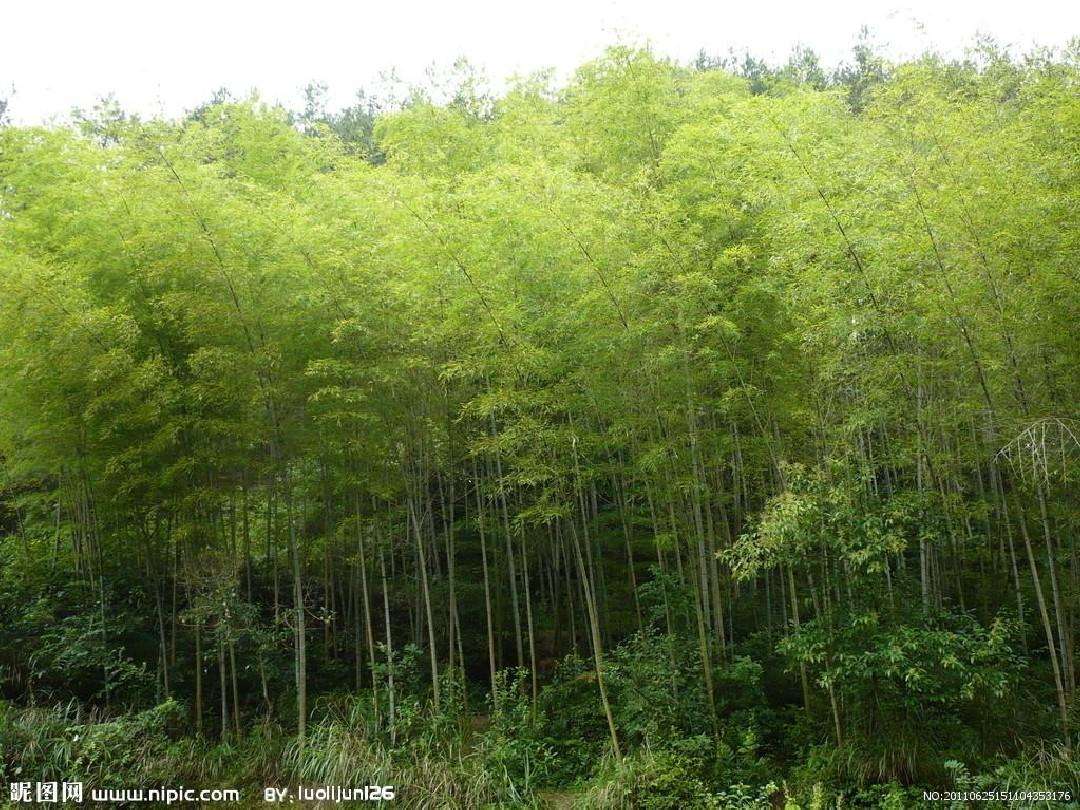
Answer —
682 436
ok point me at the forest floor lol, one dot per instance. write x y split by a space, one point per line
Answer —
558 799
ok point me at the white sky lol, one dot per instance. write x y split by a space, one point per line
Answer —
165 57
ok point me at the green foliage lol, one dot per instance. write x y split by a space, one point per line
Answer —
717 419
427 765
912 696
1039 767
654 780
42 744
515 746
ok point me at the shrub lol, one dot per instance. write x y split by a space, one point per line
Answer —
650 780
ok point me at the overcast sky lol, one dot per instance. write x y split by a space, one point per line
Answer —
165 57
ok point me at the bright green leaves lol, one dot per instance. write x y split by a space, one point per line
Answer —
906 668
826 512
621 109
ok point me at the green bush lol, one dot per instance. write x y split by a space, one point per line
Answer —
649 780
65 741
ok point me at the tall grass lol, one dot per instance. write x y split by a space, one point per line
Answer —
432 765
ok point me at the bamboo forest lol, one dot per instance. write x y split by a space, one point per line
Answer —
667 435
